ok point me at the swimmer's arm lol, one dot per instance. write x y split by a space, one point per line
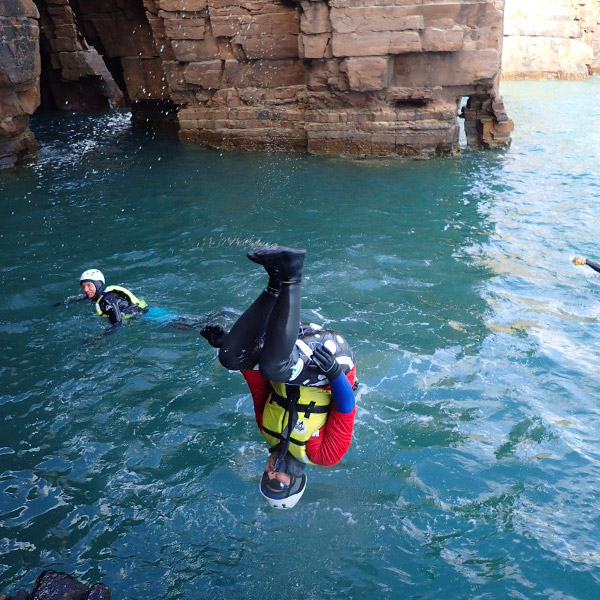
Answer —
260 388
110 306
593 264
581 260
342 393
333 440
71 299
341 390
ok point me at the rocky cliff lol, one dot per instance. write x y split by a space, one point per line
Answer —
344 77
356 77
19 79
551 39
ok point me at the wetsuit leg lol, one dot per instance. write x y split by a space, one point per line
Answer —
242 344
281 334
282 328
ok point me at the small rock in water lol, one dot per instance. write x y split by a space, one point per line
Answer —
51 585
54 585
20 595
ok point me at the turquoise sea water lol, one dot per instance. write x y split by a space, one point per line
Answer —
475 468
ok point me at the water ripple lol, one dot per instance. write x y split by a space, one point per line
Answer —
134 458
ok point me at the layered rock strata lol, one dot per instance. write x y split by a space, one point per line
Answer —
75 76
556 39
19 79
356 77
344 77
118 31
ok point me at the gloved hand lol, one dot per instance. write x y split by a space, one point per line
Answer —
579 260
214 335
326 362
111 307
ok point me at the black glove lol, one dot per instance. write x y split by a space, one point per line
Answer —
214 334
111 307
326 362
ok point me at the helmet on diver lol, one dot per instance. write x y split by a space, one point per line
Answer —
275 492
95 276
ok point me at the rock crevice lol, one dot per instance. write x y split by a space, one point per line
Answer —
20 67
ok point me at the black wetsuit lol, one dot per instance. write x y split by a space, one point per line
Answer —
594 265
269 334
115 305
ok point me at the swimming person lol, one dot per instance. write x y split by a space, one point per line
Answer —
301 378
117 303
113 301
580 260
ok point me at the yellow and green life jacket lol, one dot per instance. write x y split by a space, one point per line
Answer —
312 407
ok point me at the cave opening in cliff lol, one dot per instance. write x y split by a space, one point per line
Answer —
73 75
412 103
94 23
100 54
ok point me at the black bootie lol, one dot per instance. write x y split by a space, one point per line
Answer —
286 262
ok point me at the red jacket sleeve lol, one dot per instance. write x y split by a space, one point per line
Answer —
333 440
260 388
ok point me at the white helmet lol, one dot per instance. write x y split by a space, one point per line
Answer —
95 276
279 495
92 275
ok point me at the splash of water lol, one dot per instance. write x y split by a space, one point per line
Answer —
247 243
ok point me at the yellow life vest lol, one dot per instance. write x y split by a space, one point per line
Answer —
312 407
133 300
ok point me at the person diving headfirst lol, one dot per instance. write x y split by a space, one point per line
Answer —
301 377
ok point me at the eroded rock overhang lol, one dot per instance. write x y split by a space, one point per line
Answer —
344 77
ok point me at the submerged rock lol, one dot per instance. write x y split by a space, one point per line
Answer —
55 585
51 585
99 591
20 595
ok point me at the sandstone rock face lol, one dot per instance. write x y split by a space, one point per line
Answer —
74 75
117 48
345 77
355 77
19 79
551 39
